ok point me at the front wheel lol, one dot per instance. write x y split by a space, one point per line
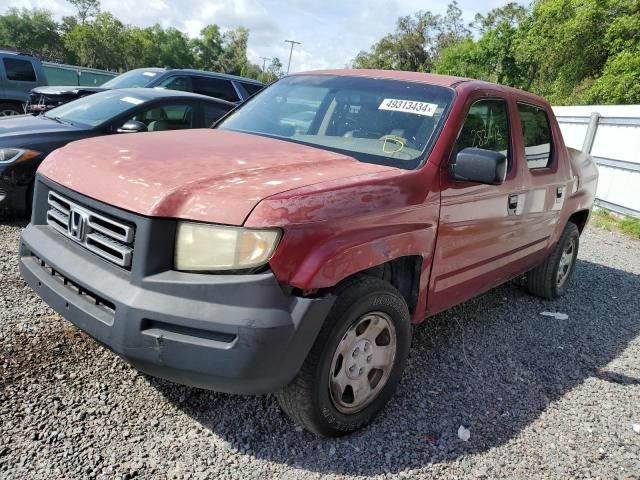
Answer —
10 109
550 279
356 362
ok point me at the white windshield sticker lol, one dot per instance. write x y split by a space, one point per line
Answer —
149 74
132 100
408 106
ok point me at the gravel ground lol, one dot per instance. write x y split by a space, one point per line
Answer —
541 397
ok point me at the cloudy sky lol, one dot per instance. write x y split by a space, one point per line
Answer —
332 32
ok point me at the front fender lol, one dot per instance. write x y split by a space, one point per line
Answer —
358 249
335 229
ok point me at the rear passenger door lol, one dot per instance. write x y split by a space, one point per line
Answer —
545 175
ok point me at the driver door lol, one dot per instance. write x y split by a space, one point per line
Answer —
478 238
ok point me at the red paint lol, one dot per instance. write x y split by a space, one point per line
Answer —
203 175
340 216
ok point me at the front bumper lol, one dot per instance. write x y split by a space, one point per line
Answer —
230 333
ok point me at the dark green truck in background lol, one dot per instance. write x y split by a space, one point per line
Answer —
21 72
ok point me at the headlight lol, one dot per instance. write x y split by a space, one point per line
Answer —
203 247
14 155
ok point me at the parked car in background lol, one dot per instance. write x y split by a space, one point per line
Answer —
19 74
27 139
291 248
218 85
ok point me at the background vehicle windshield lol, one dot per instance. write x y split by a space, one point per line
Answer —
95 109
376 121
132 79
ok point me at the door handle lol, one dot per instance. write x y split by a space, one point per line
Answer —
512 204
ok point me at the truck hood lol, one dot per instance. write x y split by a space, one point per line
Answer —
202 175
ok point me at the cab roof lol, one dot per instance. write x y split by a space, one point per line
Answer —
420 77
433 79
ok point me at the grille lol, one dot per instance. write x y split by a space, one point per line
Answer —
3 194
104 236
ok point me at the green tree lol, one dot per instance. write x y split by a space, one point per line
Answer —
33 31
208 47
233 58
563 44
620 78
417 41
99 44
275 70
465 59
493 56
165 47
87 9
570 51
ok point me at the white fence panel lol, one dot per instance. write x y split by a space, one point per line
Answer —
612 136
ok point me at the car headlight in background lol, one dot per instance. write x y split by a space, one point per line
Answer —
14 155
204 247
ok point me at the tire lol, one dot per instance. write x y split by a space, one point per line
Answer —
550 279
9 109
364 306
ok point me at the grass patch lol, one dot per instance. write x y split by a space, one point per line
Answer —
603 219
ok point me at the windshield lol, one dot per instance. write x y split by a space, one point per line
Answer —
376 121
132 79
96 109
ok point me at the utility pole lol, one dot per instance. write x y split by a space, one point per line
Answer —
292 42
264 63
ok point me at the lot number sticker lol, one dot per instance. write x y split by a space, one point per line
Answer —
408 106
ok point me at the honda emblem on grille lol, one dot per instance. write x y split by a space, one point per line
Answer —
77 224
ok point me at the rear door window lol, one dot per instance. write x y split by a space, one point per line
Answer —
19 70
215 87
536 133
182 83
486 127
251 88
213 113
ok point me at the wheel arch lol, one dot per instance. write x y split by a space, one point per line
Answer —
14 102
580 219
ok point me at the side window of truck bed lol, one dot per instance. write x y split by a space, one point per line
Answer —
487 127
537 136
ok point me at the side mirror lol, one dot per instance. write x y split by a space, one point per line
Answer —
479 166
132 126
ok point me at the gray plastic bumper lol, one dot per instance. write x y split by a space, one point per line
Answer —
230 333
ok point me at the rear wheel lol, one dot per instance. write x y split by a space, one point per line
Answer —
10 109
355 364
550 279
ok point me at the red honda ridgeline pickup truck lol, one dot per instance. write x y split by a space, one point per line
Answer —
291 248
